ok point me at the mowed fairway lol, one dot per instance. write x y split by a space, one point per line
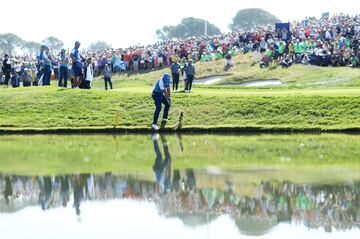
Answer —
131 107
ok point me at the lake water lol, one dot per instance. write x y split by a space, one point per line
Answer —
180 186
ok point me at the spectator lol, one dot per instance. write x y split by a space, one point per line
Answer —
354 60
113 60
175 69
107 77
229 62
15 80
47 67
63 74
76 65
286 62
55 65
190 74
89 74
263 45
265 61
306 60
136 59
6 67
25 77
183 66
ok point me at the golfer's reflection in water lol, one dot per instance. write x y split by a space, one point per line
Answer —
162 169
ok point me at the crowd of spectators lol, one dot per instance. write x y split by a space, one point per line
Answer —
328 41
323 42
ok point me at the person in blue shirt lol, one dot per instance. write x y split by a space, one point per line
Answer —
161 95
190 73
76 64
175 69
107 76
63 74
41 56
47 67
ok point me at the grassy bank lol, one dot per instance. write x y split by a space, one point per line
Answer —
311 99
132 108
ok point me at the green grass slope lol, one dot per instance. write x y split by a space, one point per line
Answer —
132 108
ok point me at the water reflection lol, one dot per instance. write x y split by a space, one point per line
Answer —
326 206
178 194
162 167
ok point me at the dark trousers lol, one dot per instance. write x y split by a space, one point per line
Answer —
63 76
56 73
7 77
160 164
108 79
175 84
26 83
15 81
189 82
159 99
47 75
87 84
40 74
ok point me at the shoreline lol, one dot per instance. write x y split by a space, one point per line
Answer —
192 130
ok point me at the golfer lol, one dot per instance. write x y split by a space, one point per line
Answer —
161 95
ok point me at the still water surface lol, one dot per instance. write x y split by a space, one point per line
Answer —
206 186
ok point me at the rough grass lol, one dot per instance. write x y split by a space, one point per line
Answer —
297 76
51 108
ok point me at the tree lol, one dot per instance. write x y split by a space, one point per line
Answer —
100 45
9 41
188 27
31 47
252 17
53 43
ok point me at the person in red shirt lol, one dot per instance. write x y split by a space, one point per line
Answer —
127 60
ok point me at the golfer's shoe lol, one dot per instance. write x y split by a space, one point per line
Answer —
165 120
163 124
155 127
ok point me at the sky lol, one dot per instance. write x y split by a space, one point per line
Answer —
124 218
124 23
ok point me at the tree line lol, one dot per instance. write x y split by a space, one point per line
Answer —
195 27
9 42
